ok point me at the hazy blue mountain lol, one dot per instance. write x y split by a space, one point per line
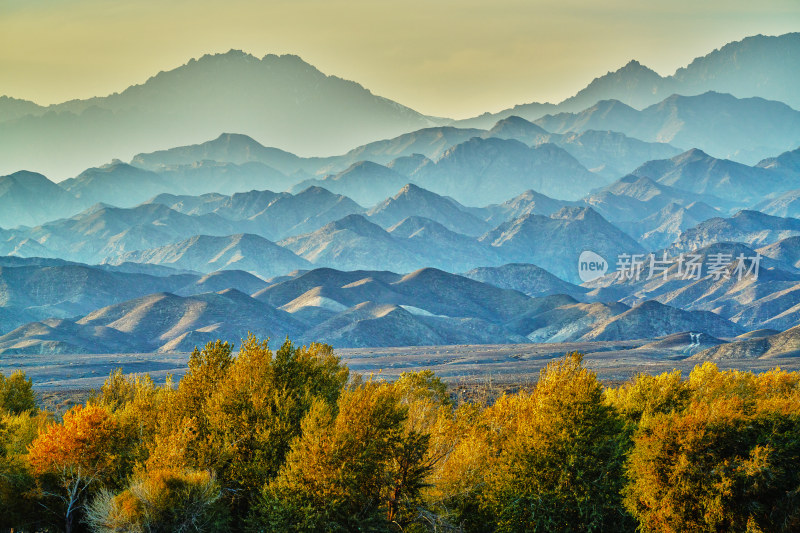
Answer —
244 205
31 292
785 205
14 108
427 291
759 65
612 154
746 130
117 183
769 300
408 164
204 253
365 182
561 318
227 148
697 172
752 228
529 202
526 278
482 171
787 163
280 100
529 111
607 153
104 231
346 288
556 242
307 211
442 248
28 198
418 202
430 142
519 129
652 319
224 279
662 228
785 250
634 84
353 243
634 198
374 324
783 344
225 178
189 204
156 322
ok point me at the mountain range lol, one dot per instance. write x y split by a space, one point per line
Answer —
284 102
236 194
755 66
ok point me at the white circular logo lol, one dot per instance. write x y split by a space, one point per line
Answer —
591 266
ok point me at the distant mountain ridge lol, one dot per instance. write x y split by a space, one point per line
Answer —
759 65
281 100
287 103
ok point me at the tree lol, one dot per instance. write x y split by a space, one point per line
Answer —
16 394
561 468
242 427
161 501
76 456
17 508
648 395
338 473
726 463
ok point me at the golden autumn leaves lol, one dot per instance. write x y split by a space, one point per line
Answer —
289 441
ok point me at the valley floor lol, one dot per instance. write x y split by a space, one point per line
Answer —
464 366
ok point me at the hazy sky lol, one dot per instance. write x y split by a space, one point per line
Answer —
448 58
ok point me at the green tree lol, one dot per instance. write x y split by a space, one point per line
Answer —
18 506
16 393
726 463
338 473
562 468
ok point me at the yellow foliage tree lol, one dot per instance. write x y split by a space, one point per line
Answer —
76 456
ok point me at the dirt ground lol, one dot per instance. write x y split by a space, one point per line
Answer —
467 368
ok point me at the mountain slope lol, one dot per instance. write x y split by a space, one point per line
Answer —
525 278
204 253
653 319
307 211
749 227
28 198
280 100
745 130
763 66
416 201
117 184
442 248
783 344
353 243
697 172
482 171
555 243
104 231
365 182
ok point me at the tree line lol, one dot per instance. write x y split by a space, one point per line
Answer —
290 440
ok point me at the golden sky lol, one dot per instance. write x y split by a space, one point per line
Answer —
440 57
